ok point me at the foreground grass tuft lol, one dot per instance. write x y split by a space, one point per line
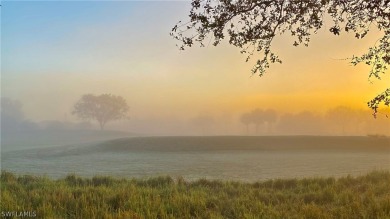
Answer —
366 196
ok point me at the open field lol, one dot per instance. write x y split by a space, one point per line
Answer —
238 158
366 196
34 139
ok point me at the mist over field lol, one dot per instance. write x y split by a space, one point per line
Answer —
336 121
111 70
110 109
244 158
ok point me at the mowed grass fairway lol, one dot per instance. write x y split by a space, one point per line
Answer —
365 196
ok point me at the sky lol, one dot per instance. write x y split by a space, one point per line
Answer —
54 52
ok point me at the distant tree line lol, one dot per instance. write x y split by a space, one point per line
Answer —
340 120
258 118
336 121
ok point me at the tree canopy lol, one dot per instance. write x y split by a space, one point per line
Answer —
251 25
259 117
102 108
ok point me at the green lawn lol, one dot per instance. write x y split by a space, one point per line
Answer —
365 196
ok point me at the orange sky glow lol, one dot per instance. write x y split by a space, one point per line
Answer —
133 55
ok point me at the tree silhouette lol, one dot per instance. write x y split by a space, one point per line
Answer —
270 117
251 25
246 119
103 108
258 118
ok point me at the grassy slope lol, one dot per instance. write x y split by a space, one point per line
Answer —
163 197
47 138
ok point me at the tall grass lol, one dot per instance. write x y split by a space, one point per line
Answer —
366 196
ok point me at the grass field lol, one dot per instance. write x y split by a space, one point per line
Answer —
366 196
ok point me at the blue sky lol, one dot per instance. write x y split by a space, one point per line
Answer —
37 34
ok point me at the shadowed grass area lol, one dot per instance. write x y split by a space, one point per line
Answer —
365 196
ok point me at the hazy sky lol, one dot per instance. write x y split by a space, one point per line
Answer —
54 52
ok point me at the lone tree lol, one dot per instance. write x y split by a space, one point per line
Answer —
251 25
270 116
103 108
258 118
